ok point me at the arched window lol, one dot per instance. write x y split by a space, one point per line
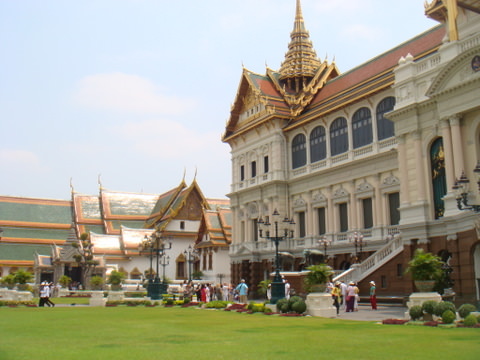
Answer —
299 151
385 128
439 184
339 136
362 127
318 144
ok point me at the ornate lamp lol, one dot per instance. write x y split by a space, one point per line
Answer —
278 287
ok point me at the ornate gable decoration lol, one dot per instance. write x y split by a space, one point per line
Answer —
364 188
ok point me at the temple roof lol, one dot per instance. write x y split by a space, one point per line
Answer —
332 92
37 229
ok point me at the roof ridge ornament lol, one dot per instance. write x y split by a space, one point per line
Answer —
301 61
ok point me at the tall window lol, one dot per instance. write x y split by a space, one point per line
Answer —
385 128
339 136
265 164
362 127
255 230
439 184
210 261
318 144
343 216
299 151
301 224
242 172
393 208
322 229
253 168
367 213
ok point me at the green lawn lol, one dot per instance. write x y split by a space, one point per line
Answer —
142 333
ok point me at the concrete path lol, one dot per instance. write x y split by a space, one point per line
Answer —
365 313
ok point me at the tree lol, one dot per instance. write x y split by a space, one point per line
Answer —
84 258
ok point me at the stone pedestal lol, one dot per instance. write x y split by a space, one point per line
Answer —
419 298
321 304
97 299
24 296
116 296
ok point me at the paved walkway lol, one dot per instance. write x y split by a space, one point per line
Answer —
365 313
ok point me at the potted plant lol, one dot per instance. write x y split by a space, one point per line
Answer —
316 278
115 279
21 278
65 281
96 282
425 269
8 281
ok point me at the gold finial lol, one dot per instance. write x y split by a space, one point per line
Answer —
301 59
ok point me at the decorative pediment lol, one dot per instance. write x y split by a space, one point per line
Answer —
299 202
391 181
458 72
364 188
340 193
319 197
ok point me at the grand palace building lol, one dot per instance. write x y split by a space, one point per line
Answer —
370 164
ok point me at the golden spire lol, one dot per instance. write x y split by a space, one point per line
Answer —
301 62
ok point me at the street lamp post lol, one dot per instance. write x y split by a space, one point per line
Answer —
278 286
325 242
164 261
190 255
156 246
461 189
357 239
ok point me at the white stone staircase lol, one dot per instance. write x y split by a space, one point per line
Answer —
358 272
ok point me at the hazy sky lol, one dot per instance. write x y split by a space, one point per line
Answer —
132 92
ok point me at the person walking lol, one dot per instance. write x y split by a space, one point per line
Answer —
343 290
373 295
287 290
350 299
50 292
242 290
336 295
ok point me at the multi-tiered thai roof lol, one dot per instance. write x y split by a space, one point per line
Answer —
117 222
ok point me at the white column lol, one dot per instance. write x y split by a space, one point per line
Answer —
352 209
458 160
419 165
377 201
448 151
403 169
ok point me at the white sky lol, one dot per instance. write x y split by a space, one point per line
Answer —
136 91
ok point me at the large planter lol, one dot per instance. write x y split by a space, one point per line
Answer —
424 285
318 288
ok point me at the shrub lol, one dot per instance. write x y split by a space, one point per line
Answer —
465 310
281 303
448 317
217 304
256 307
299 306
169 301
416 312
429 306
470 320
443 306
